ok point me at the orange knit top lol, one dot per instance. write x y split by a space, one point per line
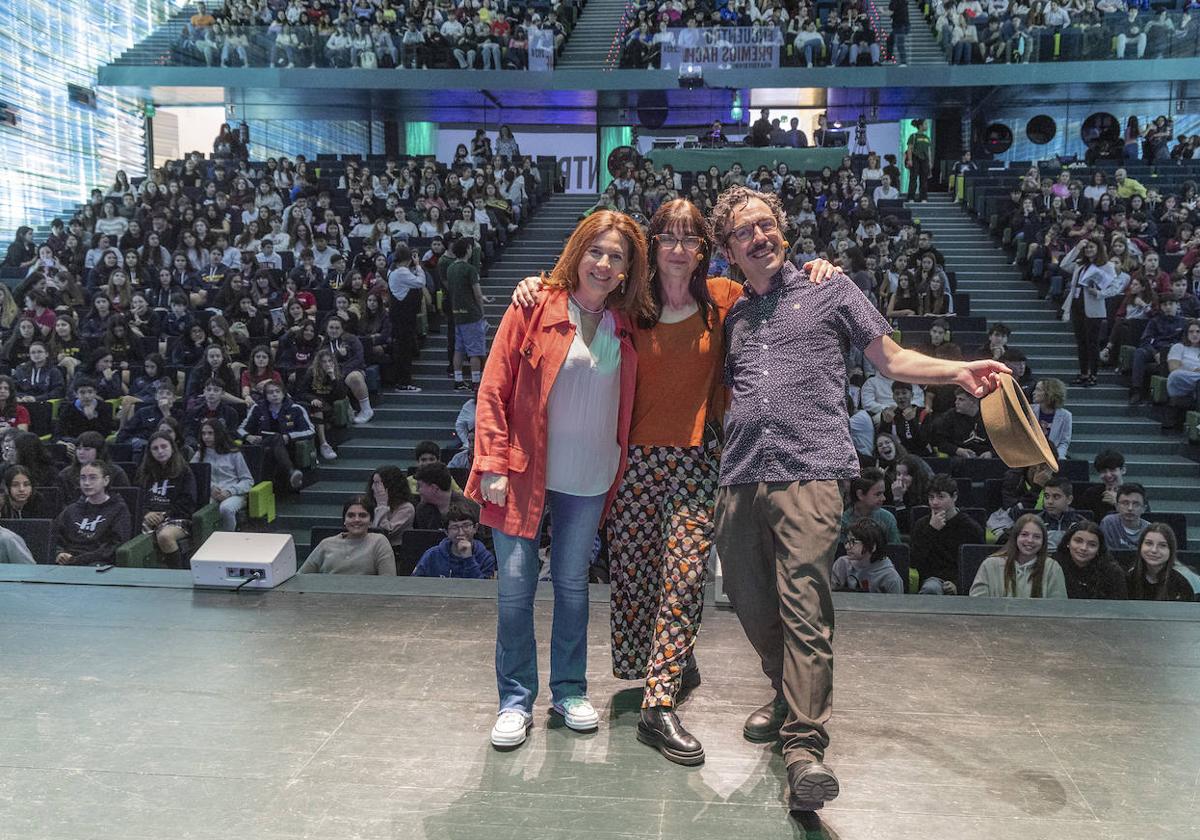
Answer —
680 375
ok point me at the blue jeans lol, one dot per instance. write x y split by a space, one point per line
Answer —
574 523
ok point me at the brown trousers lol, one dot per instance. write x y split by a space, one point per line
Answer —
776 542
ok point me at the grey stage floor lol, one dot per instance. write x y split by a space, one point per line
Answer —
167 714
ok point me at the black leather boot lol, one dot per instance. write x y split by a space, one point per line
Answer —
811 785
659 727
764 723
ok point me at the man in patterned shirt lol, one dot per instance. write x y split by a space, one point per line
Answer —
787 445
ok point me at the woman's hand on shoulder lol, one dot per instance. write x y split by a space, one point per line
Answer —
820 270
526 293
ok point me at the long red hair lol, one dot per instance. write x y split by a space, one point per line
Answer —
635 300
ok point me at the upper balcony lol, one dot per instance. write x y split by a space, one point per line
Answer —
612 45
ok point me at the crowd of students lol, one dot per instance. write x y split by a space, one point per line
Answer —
1011 31
806 36
372 33
1122 260
219 301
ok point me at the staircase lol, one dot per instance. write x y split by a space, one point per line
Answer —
159 46
922 48
595 42
1102 418
401 421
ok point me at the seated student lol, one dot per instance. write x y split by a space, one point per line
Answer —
319 388
210 405
905 421
13 415
393 509
137 431
277 424
90 529
960 433
878 394
230 477
1164 330
434 489
937 538
355 551
1021 569
30 452
460 555
907 483
1057 514
1183 376
13 548
39 379
424 453
1049 396
1154 576
1087 568
865 567
1123 530
865 501
89 448
1022 372
86 413
1022 489
21 499
168 497
1099 500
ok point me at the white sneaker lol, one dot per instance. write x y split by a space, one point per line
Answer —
578 714
364 416
297 479
327 452
511 729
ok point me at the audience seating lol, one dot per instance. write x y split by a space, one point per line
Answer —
38 536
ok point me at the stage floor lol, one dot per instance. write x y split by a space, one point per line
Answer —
164 714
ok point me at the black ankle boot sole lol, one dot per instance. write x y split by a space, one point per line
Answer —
813 791
653 738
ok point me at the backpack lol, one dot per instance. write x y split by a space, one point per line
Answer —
366 59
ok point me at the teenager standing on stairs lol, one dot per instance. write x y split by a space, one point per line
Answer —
1091 278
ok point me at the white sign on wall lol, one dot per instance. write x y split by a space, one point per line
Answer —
575 152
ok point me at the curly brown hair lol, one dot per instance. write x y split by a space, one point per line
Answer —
736 197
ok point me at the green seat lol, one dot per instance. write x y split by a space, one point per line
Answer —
1193 426
138 553
204 522
1126 358
1158 390
261 501
342 414
306 454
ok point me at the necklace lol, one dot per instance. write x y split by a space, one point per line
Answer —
585 309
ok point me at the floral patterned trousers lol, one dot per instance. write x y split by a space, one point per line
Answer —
659 536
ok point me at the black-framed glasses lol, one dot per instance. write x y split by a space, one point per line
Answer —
746 232
669 241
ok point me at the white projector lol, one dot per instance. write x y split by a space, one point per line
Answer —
230 560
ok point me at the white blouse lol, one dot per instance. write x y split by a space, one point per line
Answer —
582 450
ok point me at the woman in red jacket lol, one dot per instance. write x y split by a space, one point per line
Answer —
552 427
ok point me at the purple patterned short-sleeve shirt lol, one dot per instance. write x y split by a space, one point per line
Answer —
785 367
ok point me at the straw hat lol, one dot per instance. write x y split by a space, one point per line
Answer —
1013 428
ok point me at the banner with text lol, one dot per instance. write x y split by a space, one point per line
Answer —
724 48
541 49
575 151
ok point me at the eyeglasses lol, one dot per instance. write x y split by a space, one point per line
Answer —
746 232
669 241
849 541
459 526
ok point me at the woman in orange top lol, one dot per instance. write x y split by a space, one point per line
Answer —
552 426
660 531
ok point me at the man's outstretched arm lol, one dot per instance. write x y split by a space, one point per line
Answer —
894 362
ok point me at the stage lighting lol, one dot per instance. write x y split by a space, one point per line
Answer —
691 76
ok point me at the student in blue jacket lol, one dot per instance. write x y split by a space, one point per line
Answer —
460 555
277 424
